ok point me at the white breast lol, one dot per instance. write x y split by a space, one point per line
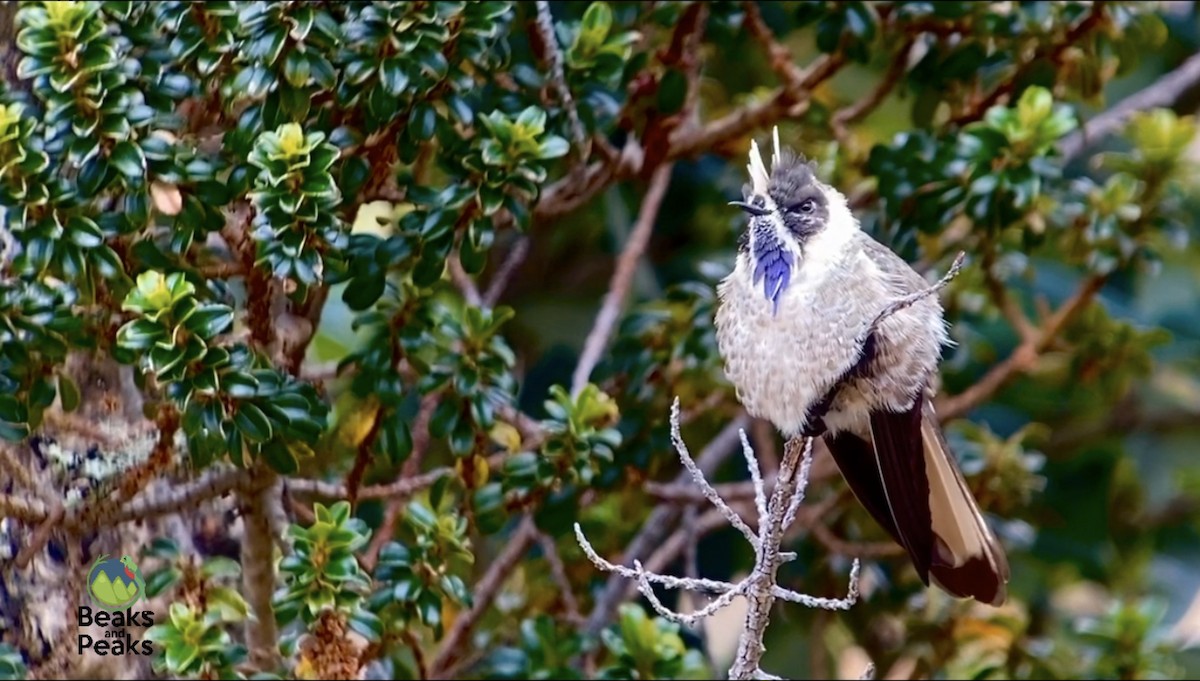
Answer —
781 364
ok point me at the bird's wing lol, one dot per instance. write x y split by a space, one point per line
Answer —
907 479
900 460
968 559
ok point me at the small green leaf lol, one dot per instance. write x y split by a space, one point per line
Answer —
161 581
279 457
128 159
68 393
252 422
392 76
367 624
221 566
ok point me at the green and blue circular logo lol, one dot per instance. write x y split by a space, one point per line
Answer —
115 584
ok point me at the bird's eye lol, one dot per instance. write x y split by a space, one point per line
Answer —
805 206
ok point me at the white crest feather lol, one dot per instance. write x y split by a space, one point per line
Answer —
759 178
776 157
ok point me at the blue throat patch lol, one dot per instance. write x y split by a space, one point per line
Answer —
774 266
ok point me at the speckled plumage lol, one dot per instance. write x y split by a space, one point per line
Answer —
806 286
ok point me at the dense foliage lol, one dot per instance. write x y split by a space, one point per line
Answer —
342 258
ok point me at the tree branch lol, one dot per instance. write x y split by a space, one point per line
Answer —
1025 356
485 592
622 279
1166 91
258 570
658 525
499 282
1095 16
760 587
554 57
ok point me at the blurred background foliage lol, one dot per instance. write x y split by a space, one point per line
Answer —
279 217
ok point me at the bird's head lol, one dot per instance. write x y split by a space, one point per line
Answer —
787 208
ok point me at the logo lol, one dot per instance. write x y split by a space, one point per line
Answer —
115 584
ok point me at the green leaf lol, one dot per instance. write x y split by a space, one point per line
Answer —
68 393
92 176
210 320
252 422
220 566
296 68
392 76
367 624
553 147
139 334
128 159
279 457
160 581
229 602
594 29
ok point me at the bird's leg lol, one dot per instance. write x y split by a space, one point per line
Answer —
815 416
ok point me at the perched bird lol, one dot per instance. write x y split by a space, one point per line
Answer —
807 285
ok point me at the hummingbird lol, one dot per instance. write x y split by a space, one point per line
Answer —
794 329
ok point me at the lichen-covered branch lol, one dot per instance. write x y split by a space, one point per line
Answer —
760 588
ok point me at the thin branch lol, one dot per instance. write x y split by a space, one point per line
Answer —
554 55
398 489
760 588
499 282
1094 18
464 282
901 303
1000 297
1025 356
486 590
658 526
869 672
571 192
781 60
756 481
859 109
1164 92
622 279
705 488
558 570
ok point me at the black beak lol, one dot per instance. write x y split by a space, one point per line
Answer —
750 208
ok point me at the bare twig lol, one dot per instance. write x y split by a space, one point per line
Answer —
545 24
658 525
760 588
1166 91
499 282
558 570
464 282
486 590
869 672
622 278
859 109
901 303
705 488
